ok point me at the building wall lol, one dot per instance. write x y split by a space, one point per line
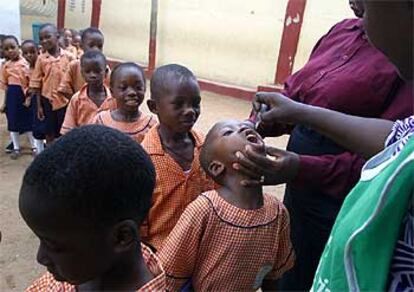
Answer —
231 41
32 11
78 14
10 17
125 24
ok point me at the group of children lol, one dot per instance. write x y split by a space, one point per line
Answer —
138 205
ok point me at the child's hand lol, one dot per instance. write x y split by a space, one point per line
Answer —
3 108
27 101
40 113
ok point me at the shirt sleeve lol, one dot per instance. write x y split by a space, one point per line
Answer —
335 174
285 254
66 85
70 117
176 257
37 75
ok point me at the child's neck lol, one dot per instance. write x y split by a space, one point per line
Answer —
169 137
242 197
54 51
96 93
123 115
129 274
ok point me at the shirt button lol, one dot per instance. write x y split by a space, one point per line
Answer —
345 57
321 73
364 36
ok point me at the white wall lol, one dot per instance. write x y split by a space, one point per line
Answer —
10 17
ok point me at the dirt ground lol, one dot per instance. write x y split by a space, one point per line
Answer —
18 266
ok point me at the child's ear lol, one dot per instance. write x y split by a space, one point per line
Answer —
152 106
216 168
125 236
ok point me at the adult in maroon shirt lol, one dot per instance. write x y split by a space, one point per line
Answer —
344 73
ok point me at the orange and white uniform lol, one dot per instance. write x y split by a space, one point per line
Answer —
82 110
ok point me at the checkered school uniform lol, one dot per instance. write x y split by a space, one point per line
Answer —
14 79
174 189
136 130
219 247
72 81
82 110
47 283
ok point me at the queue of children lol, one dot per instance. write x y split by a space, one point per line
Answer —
139 202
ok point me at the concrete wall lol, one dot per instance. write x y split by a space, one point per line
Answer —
32 11
78 14
125 24
230 41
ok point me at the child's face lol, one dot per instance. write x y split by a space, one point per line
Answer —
93 41
178 109
93 71
229 137
76 40
129 89
72 250
67 37
30 53
48 38
11 49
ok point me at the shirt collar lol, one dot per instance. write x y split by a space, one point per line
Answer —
83 92
153 141
357 23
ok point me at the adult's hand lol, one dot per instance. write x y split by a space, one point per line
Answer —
277 167
281 109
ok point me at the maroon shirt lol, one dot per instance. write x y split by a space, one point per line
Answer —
346 73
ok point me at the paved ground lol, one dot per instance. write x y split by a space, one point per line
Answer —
18 265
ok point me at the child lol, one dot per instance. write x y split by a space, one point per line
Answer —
174 149
92 39
67 38
46 77
30 53
128 88
76 42
232 239
14 80
93 97
85 203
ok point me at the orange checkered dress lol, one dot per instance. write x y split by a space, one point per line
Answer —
174 189
136 130
219 247
47 283
82 110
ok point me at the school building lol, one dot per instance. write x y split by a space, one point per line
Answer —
233 46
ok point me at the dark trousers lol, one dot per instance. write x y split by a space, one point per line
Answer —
312 213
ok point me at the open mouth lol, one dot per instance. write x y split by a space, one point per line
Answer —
252 136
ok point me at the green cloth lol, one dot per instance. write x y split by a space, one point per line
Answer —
359 251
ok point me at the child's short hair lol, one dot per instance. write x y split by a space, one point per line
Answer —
93 55
11 37
96 173
43 26
90 30
120 66
29 42
164 73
